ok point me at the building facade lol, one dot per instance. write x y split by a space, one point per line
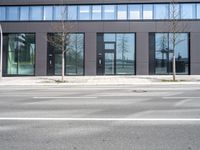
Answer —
104 37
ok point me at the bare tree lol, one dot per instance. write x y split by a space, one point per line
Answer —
175 27
60 40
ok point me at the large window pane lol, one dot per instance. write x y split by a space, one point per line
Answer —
198 11
121 12
109 12
147 11
24 13
75 55
161 11
12 13
96 12
2 13
84 13
188 11
36 13
125 54
135 12
164 53
48 12
72 12
60 12
21 54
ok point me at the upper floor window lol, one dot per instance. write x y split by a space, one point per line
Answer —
24 13
12 13
121 12
96 12
109 12
188 11
135 12
36 13
161 11
48 12
3 13
60 12
198 11
148 11
72 12
84 13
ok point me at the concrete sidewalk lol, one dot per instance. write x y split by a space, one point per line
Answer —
99 80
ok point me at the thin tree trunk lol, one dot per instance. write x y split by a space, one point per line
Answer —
174 68
63 66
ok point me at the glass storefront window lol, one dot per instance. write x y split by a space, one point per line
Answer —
109 12
84 13
36 13
72 12
21 54
164 53
134 12
2 13
188 11
125 54
122 12
60 12
147 11
161 11
96 12
12 13
48 12
74 56
24 13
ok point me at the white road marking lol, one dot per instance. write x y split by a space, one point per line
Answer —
183 102
65 97
101 119
181 97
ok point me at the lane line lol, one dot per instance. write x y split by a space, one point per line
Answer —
64 97
102 119
182 102
180 97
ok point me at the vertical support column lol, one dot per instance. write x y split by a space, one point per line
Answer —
90 53
142 53
41 54
194 53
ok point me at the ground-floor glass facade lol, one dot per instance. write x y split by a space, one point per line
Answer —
115 53
161 53
74 54
20 54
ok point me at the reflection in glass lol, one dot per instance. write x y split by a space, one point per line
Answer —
174 11
21 54
125 54
109 37
164 53
74 55
96 12
2 13
121 12
72 12
147 11
84 12
134 11
109 12
161 11
48 12
36 13
188 11
13 13
109 63
24 13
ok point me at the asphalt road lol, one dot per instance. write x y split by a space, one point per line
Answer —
138 117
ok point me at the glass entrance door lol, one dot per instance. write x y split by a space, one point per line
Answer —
109 68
